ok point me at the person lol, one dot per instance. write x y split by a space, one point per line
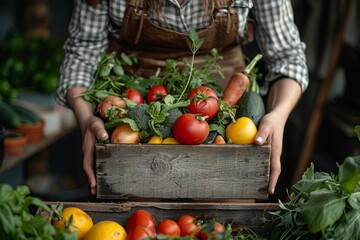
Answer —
156 29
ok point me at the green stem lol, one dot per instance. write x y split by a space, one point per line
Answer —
176 105
153 128
252 64
189 78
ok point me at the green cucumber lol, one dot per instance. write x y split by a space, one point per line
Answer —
27 115
251 105
8 116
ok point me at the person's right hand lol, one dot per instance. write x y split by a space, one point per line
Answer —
94 129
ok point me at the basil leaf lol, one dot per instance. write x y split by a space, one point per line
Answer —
126 59
354 200
323 208
311 181
349 174
7 222
36 202
29 229
6 193
357 130
349 227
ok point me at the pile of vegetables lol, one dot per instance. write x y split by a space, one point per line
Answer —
179 104
23 216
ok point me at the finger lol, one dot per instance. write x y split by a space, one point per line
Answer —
263 133
99 131
88 161
275 165
274 176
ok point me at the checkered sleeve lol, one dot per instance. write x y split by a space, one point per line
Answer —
279 41
88 37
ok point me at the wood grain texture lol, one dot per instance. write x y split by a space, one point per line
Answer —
182 171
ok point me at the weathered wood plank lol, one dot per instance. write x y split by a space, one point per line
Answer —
182 171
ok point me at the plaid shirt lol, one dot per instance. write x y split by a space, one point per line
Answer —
276 34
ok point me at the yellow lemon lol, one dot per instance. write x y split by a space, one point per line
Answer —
106 230
81 222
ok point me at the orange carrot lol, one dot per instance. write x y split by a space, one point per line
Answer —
238 83
235 88
219 140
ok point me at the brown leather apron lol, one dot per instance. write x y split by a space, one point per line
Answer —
154 44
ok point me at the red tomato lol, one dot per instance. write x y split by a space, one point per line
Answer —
139 233
156 93
141 218
218 229
169 227
190 129
204 101
188 226
134 95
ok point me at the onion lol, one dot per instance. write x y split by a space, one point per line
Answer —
116 101
124 134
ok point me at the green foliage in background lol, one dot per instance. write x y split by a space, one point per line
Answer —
30 64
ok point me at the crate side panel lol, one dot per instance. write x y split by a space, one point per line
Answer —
180 171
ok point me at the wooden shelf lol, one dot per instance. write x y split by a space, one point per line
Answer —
31 149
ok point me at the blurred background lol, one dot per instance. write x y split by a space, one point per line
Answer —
320 129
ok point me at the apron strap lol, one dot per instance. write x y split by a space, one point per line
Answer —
224 4
221 4
136 3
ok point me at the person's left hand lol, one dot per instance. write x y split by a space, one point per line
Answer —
271 130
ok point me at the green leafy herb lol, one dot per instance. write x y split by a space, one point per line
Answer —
357 130
322 205
110 78
18 222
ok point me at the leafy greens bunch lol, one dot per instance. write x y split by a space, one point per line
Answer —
322 205
110 78
18 222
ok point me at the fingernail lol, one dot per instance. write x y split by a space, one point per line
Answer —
259 139
272 191
92 191
104 135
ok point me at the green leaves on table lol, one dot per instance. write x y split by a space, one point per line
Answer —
322 205
18 222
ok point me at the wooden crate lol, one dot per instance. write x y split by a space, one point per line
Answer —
237 214
205 171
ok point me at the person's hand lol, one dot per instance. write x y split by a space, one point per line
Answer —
94 129
271 130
